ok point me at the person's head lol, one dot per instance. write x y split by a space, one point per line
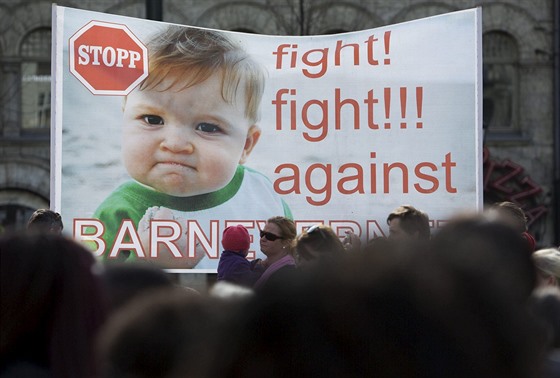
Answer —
490 254
277 236
236 239
157 334
194 119
318 244
45 220
547 262
123 282
52 303
407 222
380 316
510 214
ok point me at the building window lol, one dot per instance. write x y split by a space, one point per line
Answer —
500 80
36 80
14 217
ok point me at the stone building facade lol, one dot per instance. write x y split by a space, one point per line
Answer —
519 91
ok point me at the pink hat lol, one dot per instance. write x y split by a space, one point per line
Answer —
236 238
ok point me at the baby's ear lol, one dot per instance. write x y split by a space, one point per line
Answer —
253 136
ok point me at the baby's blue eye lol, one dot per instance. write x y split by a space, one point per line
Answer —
152 119
208 128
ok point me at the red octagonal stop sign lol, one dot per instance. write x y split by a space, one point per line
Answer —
107 58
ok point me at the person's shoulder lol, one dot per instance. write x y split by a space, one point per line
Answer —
286 269
285 274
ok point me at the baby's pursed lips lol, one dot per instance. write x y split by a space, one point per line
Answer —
178 163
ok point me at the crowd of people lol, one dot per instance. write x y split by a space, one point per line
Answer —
473 300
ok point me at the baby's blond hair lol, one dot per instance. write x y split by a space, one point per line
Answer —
192 55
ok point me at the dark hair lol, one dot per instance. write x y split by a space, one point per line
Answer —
321 239
489 252
51 304
412 220
123 282
158 334
45 220
376 316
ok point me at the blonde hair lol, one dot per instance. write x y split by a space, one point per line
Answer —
547 262
192 55
288 230
514 212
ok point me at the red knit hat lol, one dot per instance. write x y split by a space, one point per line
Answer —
236 238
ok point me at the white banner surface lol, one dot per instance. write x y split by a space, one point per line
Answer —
165 134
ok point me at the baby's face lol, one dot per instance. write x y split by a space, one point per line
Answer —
188 142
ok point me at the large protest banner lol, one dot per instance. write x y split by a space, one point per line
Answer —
166 134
